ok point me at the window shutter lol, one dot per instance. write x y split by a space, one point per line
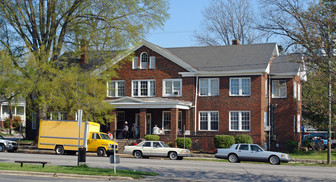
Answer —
135 63
152 62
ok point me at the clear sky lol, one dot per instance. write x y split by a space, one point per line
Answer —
185 18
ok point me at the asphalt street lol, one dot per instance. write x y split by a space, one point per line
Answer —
191 170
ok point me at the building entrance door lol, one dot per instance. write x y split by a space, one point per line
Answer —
149 123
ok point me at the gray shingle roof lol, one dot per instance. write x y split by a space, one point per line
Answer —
226 58
285 64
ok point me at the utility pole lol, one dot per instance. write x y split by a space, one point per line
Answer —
329 56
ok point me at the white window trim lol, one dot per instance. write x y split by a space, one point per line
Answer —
172 94
152 62
115 88
298 123
209 120
266 123
295 89
239 121
240 82
280 94
266 91
299 92
163 120
139 88
141 66
209 86
135 63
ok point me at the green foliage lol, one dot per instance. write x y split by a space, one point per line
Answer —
180 142
152 137
224 141
292 145
15 122
243 139
170 144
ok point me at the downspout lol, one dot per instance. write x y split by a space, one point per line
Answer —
195 106
269 111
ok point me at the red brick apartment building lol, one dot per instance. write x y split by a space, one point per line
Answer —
208 91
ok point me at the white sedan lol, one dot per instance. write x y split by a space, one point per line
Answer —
156 149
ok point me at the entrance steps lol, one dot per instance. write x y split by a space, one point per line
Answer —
122 143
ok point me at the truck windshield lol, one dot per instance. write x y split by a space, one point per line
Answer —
104 136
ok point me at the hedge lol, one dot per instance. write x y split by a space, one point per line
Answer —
243 139
152 137
224 141
180 141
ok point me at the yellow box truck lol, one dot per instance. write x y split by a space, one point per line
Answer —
62 136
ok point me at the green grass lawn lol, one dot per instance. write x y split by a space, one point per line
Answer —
83 169
313 155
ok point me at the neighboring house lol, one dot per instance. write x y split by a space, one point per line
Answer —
18 109
208 91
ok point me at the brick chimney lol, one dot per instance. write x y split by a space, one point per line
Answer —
235 42
83 52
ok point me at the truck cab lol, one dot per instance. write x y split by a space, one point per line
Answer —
101 143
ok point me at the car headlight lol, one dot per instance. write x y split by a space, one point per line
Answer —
185 151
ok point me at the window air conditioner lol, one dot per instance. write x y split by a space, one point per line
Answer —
266 128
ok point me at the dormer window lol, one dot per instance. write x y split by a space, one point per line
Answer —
144 60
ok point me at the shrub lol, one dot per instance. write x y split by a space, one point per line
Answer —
224 141
170 144
243 139
152 137
16 121
180 141
292 145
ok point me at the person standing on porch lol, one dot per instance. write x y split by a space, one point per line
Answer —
156 130
125 130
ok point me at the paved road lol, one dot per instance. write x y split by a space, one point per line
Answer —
190 170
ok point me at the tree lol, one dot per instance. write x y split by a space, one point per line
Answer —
228 20
35 33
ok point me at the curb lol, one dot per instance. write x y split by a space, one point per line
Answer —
63 175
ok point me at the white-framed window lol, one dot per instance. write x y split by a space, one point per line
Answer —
240 86
116 88
135 63
209 86
298 123
143 60
240 120
266 122
208 120
279 89
294 89
143 88
172 87
166 118
299 92
179 121
152 62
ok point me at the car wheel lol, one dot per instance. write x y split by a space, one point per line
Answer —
2 148
59 150
233 158
173 156
274 160
101 152
137 154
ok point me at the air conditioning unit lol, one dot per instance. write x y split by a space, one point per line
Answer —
266 128
176 93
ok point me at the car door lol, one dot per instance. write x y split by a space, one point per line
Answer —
257 153
93 142
158 149
243 152
147 148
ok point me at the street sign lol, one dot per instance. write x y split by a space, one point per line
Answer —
80 115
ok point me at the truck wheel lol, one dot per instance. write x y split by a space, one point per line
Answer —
173 156
137 154
101 152
2 148
59 150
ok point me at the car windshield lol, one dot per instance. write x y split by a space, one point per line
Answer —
164 145
104 136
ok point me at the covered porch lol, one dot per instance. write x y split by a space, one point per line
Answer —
142 114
